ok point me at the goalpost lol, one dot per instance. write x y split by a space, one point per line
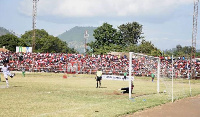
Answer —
172 75
130 69
150 64
175 75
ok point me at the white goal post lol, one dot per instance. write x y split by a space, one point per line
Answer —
130 73
171 74
131 70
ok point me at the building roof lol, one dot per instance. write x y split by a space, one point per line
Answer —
4 50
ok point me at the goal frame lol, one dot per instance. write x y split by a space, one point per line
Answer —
130 71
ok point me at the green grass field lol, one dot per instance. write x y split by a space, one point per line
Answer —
49 95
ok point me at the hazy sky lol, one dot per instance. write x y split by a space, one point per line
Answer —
166 23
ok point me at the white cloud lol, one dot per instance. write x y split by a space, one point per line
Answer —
167 23
97 8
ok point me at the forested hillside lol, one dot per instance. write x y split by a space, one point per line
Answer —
75 37
4 31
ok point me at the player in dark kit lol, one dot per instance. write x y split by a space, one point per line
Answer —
126 89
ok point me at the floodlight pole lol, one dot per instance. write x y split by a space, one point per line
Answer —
34 22
86 36
194 36
130 69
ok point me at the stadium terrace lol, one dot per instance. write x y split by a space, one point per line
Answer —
80 64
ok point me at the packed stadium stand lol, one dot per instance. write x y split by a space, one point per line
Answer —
80 64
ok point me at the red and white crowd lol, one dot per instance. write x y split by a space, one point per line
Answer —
85 64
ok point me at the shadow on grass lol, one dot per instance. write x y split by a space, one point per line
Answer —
16 86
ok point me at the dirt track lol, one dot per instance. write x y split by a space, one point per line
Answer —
189 107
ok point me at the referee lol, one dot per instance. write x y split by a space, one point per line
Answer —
99 77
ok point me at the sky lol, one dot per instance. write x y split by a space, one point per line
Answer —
166 23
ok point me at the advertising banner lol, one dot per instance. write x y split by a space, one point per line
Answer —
114 77
23 49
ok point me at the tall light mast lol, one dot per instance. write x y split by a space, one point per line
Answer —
194 36
86 36
34 22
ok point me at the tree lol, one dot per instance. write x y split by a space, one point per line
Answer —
39 35
168 53
148 48
45 42
156 52
10 41
132 48
182 51
106 37
131 33
178 48
187 51
123 40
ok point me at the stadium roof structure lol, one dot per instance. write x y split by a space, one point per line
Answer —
4 50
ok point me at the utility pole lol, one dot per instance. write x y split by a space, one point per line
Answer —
194 36
34 22
86 36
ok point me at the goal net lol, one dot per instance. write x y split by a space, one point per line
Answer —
171 80
146 69
175 77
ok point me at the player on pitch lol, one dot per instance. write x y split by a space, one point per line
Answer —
152 76
6 73
126 89
99 77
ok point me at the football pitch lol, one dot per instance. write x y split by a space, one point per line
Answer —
50 95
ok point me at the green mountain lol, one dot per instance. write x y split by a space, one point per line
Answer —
75 37
4 31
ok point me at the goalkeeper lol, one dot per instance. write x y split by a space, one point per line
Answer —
126 89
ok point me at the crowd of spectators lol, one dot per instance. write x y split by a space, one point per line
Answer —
85 64
182 67
62 62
